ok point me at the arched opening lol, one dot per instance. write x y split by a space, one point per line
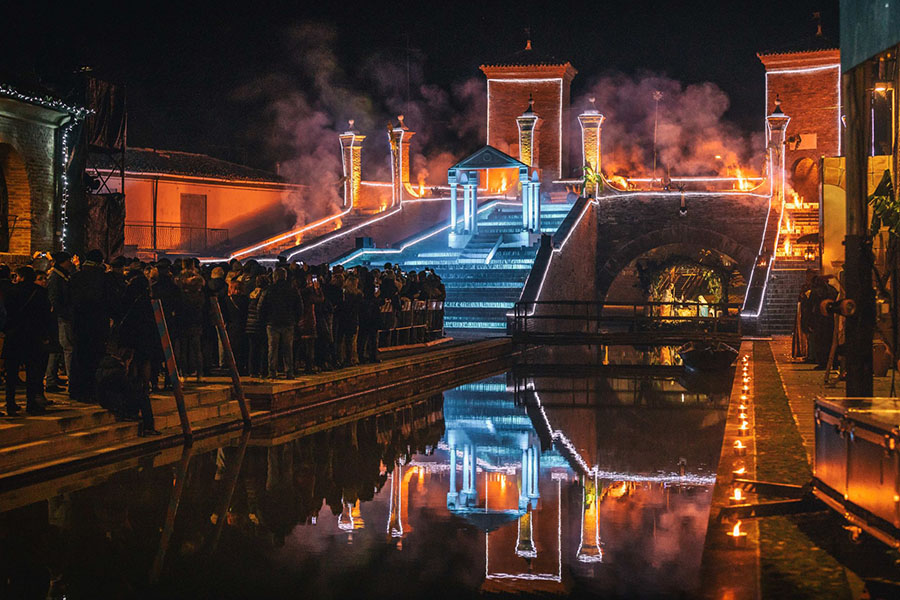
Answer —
805 179
15 203
679 273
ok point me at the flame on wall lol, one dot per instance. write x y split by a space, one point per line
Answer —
618 182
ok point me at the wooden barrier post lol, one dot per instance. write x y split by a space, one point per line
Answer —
216 311
172 368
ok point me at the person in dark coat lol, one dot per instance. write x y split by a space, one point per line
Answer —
821 326
164 289
194 312
257 342
346 322
95 303
280 308
29 334
234 312
312 295
369 315
119 392
61 301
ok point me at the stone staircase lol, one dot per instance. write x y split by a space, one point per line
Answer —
485 278
780 308
71 431
789 269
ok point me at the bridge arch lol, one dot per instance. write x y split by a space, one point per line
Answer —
684 237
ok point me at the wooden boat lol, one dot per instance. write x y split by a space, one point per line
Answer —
700 356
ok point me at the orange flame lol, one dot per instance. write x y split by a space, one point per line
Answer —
738 494
504 183
736 530
743 184
618 181
421 186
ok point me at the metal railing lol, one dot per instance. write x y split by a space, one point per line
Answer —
173 237
547 319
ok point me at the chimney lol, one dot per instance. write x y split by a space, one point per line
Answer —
591 122
351 160
776 126
527 123
400 137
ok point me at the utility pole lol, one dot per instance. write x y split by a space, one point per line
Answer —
657 95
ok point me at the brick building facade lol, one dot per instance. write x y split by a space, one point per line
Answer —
30 174
510 84
808 83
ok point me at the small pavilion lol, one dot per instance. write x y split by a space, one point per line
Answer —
465 173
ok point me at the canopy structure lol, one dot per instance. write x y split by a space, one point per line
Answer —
465 173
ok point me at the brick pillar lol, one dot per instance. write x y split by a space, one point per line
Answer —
527 123
591 122
400 137
777 124
351 160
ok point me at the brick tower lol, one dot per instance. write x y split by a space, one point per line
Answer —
807 78
510 83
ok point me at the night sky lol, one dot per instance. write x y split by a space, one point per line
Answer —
184 69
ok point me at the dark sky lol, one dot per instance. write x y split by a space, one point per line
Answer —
181 66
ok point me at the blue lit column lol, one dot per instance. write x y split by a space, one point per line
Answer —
452 182
452 495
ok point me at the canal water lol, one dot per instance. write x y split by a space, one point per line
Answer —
551 479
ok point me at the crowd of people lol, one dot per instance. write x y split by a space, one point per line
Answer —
94 321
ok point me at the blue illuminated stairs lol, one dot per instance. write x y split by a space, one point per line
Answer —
485 278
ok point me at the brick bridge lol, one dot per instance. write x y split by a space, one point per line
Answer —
630 225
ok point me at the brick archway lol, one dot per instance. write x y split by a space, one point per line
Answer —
675 235
15 202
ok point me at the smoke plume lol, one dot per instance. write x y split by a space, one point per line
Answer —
692 135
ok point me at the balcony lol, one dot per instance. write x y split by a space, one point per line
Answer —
173 237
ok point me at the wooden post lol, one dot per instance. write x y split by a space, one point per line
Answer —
172 368
219 322
857 245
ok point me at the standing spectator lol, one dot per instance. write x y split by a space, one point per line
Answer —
193 315
217 289
257 365
280 308
164 289
138 335
312 296
235 315
61 301
29 334
94 305
346 322
369 314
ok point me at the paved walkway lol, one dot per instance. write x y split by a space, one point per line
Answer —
802 384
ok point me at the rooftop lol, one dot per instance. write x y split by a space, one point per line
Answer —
173 162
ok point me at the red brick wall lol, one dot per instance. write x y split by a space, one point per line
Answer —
27 153
810 96
508 92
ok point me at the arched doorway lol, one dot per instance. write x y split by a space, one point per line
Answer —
15 202
805 179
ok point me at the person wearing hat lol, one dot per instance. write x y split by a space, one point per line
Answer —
61 302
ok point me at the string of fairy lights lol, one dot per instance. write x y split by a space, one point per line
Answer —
739 467
77 114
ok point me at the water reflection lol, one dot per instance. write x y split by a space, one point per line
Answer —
522 482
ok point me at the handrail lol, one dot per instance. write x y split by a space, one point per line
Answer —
723 317
219 322
172 368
